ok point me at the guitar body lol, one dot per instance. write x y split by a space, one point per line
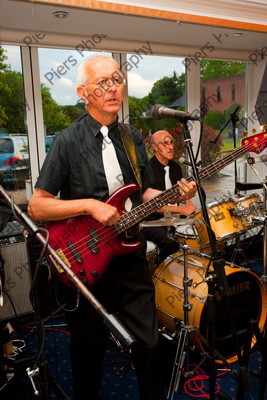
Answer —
86 245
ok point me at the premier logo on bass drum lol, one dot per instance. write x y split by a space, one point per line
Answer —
238 288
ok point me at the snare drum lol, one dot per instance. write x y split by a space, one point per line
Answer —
248 206
224 225
186 235
247 300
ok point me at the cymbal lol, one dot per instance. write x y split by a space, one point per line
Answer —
172 221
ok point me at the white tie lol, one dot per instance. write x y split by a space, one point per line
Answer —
168 183
111 165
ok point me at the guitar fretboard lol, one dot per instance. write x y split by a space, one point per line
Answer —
168 196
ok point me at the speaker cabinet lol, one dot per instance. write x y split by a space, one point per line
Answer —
17 272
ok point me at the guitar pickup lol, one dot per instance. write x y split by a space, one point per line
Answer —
63 258
75 253
95 239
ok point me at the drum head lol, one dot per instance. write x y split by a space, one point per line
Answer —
246 304
247 299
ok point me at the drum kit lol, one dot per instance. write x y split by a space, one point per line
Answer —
181 281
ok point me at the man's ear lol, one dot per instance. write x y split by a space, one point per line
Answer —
83 94
153 147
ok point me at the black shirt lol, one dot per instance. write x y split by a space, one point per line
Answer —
159 172
74 165
175 172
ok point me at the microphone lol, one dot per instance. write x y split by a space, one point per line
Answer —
159 111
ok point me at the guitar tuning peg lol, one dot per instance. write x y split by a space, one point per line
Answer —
254 130
264 128
245 134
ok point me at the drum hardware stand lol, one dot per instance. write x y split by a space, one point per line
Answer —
239 250
183 331
219 278
110 320
234 119
262 345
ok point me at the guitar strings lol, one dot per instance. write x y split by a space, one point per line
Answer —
112 232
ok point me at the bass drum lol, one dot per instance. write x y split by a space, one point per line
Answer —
247 300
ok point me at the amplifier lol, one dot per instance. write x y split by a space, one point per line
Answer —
17 272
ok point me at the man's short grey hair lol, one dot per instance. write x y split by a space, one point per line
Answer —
82 75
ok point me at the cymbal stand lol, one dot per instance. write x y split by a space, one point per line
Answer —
183 331
182 347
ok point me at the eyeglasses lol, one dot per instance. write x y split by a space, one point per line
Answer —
166 143
109 82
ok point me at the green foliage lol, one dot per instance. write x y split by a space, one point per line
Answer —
12 101
3 57
167 89
3 116
150 124
211 69
209 157
214 119
55 118
138 106
230 109
13 104
73 112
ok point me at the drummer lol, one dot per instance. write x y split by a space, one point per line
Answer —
167 172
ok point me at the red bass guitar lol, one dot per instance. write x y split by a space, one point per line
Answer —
87 246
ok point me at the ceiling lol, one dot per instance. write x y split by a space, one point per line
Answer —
33 23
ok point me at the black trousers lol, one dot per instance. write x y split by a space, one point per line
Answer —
126 289
165 244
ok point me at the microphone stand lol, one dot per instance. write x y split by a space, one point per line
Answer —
234 119
110 320
216 280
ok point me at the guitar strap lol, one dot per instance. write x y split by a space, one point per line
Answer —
128 143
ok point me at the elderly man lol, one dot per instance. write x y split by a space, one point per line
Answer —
77 167
167 172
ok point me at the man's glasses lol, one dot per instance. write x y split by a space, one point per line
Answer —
109 82
165 143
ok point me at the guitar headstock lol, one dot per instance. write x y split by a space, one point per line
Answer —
256 143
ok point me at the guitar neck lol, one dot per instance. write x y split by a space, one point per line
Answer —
145 209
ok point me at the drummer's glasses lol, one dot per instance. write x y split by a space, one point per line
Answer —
167 142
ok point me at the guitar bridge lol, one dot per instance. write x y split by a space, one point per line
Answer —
63 258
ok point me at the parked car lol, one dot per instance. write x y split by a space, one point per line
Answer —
48 141
14 160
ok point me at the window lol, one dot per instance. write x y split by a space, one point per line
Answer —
233 91
14 152
223 91
219 98
61 104
156 80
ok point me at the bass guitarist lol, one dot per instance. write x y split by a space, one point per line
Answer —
76 167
